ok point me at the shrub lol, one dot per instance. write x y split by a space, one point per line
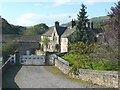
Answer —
8 48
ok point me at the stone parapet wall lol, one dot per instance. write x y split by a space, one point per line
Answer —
103 78
63 66
60 63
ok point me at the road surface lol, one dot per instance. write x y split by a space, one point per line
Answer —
38 77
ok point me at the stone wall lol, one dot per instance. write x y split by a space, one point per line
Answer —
60 63
103 78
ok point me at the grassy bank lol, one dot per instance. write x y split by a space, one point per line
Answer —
57 72
87 62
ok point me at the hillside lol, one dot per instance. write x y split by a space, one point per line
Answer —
8 28
41 28
38 29
101 20
11 29
98 21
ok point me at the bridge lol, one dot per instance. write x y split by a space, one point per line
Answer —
40 76
37 77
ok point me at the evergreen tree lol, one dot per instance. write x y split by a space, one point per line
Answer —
82 34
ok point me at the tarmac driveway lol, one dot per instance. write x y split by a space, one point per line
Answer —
39 77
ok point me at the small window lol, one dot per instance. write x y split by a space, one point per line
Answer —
26 58
34 58
41 58
54 34
38 58
22 61
29 57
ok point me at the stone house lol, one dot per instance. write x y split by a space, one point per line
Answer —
59 37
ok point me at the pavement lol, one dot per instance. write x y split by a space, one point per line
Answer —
40 77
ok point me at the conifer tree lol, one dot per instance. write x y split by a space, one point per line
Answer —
82 34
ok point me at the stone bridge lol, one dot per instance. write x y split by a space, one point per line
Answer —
37 77
18 76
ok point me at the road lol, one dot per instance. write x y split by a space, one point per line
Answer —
39 77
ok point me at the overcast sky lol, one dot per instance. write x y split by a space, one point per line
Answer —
29 13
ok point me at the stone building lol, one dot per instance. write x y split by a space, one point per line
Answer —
59 37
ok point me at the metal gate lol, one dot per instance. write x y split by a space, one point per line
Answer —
32 60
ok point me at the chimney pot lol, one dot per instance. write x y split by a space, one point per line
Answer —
73 23
56 24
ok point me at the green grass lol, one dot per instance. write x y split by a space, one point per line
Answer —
98 64
56 71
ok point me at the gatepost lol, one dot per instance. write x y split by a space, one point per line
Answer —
17 57
47 58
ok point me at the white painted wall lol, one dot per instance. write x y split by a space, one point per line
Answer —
64 45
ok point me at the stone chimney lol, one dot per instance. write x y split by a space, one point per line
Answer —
73 23
56 24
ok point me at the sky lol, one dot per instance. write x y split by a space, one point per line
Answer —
32 12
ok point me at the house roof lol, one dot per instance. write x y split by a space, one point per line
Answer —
20 38
68 32
49 32
62 31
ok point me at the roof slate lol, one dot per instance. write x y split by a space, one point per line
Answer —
49 32
68 32
62 31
